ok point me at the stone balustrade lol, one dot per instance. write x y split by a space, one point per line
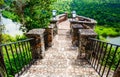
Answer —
62 17
37 45
81 23
117 72
47 34
84 42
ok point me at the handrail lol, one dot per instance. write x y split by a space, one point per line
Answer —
103 41
89 19
17 42
104 57
17 57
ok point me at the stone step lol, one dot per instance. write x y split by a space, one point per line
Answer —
60 60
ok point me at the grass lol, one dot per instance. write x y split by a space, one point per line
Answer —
107 31
109 57
10 15
104 31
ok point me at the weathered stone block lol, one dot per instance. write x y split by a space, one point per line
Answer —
37 44
117 72
54 25
49 34
75 34
84 42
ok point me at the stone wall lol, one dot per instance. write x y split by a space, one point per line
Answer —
85 22
84 42
62 18
117 72
37 44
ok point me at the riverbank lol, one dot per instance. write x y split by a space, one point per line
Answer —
108 34
107 31
114 40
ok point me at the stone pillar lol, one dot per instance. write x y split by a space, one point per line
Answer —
89 25
75 34
117 72
66 15
72 23
84 42
55 28
37 44
49 34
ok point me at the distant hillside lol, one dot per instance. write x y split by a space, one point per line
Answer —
106 12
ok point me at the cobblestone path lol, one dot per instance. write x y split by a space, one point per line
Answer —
61 59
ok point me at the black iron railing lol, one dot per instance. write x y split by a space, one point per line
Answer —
17 57
104 57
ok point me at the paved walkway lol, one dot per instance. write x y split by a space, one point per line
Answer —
61 59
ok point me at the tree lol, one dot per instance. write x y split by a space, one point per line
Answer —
2 67
1 2
1 27
33 13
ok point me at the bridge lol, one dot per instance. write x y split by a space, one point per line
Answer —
67 48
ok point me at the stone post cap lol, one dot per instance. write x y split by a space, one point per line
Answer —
77 26
87 32
51 26
36 32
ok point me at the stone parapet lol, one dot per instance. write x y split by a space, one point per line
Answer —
117 72
50 32
84 42
75 34
37 45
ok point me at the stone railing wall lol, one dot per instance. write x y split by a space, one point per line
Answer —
43 37
117 72
37 45
52 29
77 23
84 42
62 17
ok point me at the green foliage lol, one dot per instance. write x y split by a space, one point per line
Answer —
1 2
7 38
106 12
62 6
20 55
31 13
20 59
107 31
10 15
109 56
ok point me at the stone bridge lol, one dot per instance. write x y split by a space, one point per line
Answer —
64 49
61 59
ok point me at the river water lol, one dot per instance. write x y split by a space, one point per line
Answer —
114 40
11 28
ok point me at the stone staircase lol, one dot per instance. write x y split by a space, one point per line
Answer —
61 59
